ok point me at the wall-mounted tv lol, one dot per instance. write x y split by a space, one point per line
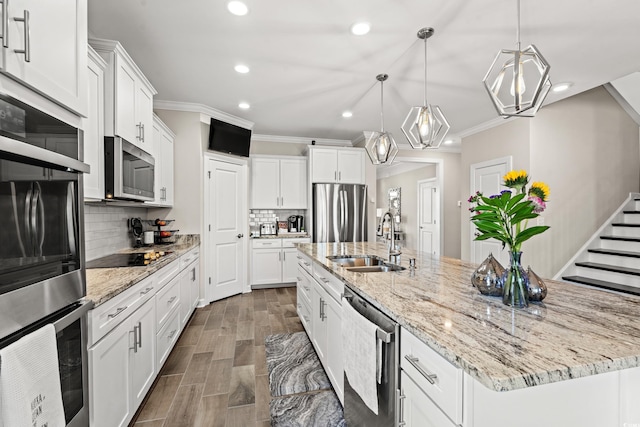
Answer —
228 138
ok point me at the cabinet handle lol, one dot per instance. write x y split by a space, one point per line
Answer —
146 291
140 334
400 395
27 37
306 319
193 274
299 279
142 131
306 288
138 128
284 256
135 339
322 314
171 334
118 311
340 176
335 175
5 23
415 362
280 256
172 299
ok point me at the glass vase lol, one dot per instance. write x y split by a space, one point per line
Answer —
515 283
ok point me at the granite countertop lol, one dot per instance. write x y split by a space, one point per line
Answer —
282 236
105 283
575 332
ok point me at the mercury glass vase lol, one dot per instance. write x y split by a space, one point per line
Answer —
515 283
488 277
537 288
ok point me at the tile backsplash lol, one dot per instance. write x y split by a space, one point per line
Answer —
106 229
258 216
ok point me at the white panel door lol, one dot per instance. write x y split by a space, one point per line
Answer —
429 217
266 266
487 178
289 265
143 356
227 187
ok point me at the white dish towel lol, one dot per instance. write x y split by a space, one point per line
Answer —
359 344
30 392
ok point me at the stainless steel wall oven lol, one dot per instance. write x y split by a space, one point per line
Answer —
42 275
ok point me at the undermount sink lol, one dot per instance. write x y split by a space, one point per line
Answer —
364 263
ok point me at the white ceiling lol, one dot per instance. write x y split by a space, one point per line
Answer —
306 67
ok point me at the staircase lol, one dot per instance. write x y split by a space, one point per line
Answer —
611 258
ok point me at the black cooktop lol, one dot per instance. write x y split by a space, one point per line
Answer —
121 260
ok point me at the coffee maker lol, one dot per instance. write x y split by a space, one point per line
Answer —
296 223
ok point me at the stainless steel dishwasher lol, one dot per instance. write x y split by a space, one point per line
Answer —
356 412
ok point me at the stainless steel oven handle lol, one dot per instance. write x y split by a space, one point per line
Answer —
82 309
415 362
39 208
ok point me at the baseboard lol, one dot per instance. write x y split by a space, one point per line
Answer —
274 285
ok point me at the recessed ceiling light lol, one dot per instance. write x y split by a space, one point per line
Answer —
244 105
448 142
242 69
360 28
561 87
347 114
237 8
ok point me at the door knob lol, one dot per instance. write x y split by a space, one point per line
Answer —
240 236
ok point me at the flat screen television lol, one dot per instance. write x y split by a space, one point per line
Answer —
228 138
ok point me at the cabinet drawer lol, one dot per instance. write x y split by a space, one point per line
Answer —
417 409
304 312
305 262
304 286
107 316
266 243
329 282
167 273
168 336
446 390
290 243
189 257
166 300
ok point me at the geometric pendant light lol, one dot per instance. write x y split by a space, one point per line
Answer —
518 80
381 146
425 126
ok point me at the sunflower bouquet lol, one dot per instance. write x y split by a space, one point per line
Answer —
505 216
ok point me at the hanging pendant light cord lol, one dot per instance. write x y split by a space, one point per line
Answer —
425 72
518 28
382 105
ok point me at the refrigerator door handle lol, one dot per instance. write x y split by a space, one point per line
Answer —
346 215
343 207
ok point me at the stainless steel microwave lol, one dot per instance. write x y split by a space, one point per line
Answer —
129 171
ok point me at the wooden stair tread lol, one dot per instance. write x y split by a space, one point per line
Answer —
621 238
624 224
631 212
615 252
603 284
612 268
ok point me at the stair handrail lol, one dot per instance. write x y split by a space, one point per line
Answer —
628 201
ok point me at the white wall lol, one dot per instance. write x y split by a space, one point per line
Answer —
586 148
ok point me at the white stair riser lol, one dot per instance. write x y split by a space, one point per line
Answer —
626 231
637 205
620 245
618 261
631 218
609 276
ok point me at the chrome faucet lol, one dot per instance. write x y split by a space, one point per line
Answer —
393 250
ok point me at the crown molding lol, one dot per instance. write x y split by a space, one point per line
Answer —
300 140
484 126
203 110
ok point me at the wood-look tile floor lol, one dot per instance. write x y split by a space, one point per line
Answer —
217 373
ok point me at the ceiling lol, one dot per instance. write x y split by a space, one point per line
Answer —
307 68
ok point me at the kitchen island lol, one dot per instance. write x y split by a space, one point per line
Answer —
590 337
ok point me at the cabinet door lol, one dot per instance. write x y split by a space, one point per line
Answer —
265 183
57 48
143 354
351 166
125 102
266 266
166 159
335 363
289 265
144 117
194 274
185 297
158 170
318 321
324 165
94 133
293 184
109 379
417 409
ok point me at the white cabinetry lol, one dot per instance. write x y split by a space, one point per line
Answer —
278 183
93 127
163 154
45 48
323 321
416 409
274 261
122 367
131 336
128 96
337 165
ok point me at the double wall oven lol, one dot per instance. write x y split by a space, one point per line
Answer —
42 276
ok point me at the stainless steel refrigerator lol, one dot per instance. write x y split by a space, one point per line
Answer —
339 213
